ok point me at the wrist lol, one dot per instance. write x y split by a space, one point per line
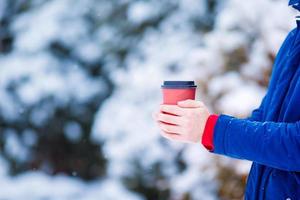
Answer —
208 133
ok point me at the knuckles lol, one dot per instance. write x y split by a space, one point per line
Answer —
167 129
162 117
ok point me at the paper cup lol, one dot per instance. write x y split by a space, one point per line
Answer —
174 91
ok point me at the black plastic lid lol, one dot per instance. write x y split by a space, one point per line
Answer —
179 84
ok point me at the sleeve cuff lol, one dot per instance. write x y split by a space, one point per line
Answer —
208 134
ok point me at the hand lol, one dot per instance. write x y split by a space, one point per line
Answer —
183 122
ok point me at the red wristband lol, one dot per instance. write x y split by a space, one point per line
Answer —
208 134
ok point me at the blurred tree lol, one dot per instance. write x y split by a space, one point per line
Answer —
67 65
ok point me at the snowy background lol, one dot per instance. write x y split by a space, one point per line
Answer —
79 80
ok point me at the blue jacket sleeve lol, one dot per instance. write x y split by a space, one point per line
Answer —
269 143
257 114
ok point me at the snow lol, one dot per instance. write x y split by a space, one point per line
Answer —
2 8
29 137
197 58
241 100
88 51
140 12
239 96
13 146
36 186
35 36
73 131
174 49
41 78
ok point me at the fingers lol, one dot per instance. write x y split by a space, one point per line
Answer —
171 119
171 136
190 104
170 128
171 109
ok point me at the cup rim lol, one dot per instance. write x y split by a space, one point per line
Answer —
178 84
178 87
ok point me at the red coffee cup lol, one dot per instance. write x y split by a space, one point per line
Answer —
174 91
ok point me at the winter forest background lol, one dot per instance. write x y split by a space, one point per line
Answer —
79 80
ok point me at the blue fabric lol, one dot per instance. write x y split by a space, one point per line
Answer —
295 4
270 137
292 2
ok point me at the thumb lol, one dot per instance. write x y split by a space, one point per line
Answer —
190 104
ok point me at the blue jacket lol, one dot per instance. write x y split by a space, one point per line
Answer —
271 136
